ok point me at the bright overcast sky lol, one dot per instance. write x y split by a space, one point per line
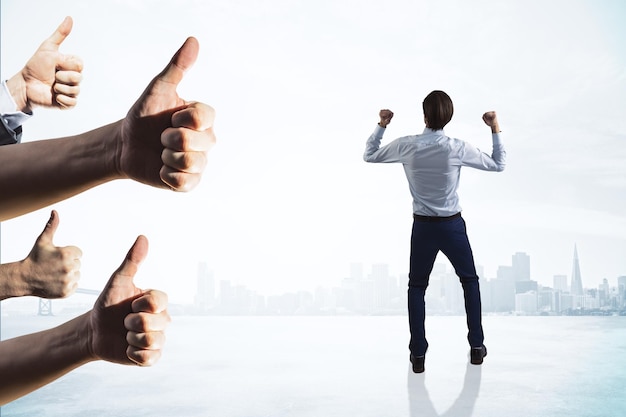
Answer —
287 202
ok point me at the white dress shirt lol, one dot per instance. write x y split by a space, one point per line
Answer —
12 117
432 163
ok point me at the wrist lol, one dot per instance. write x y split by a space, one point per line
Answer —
17 89
108 142
116 149
86 323
383 125
12 283
22 286
70 347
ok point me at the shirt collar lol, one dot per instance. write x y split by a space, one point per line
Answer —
429 130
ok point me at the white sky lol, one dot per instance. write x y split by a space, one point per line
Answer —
287 202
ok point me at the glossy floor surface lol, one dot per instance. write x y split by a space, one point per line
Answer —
352 366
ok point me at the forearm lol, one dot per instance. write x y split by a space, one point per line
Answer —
36 174
32 361
498 153
11 283
373 143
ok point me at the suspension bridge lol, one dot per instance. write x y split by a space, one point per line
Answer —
45 305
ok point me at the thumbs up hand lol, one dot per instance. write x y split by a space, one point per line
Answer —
50 271
163 140
127 325
49 78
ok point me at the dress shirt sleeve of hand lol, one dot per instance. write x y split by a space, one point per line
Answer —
8 109
473 157
11 120
373 151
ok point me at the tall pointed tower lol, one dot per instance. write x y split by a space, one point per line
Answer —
577 283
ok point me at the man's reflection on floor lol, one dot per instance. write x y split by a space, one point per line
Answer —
421 405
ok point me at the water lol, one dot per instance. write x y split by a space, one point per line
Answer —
351 366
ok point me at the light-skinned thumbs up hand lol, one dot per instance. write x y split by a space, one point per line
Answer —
164 139
50 271
50 78
127 325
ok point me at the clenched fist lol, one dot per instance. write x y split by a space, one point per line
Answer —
491 120
385 117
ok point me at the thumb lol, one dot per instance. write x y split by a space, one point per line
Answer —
51 227
182 60
127 270
59 35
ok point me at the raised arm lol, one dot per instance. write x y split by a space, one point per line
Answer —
126 326
162 142
373 151
474 158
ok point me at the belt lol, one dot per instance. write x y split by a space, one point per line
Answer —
435 219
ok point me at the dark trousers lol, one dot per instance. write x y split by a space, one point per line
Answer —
449 236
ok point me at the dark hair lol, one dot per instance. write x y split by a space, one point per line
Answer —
438 109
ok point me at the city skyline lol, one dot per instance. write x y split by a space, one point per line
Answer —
520 269
523 272
513 291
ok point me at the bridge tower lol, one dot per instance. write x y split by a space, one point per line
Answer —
45 307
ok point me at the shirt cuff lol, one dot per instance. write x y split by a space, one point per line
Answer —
8 107
379 131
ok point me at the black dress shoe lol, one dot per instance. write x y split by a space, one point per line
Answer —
477 354
418 363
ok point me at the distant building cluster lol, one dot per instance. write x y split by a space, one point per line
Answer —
380 293
514 291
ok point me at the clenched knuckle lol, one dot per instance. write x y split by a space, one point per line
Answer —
137 322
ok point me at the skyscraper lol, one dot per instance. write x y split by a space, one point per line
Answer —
577 283
505 273
560 283
521 266
621 290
